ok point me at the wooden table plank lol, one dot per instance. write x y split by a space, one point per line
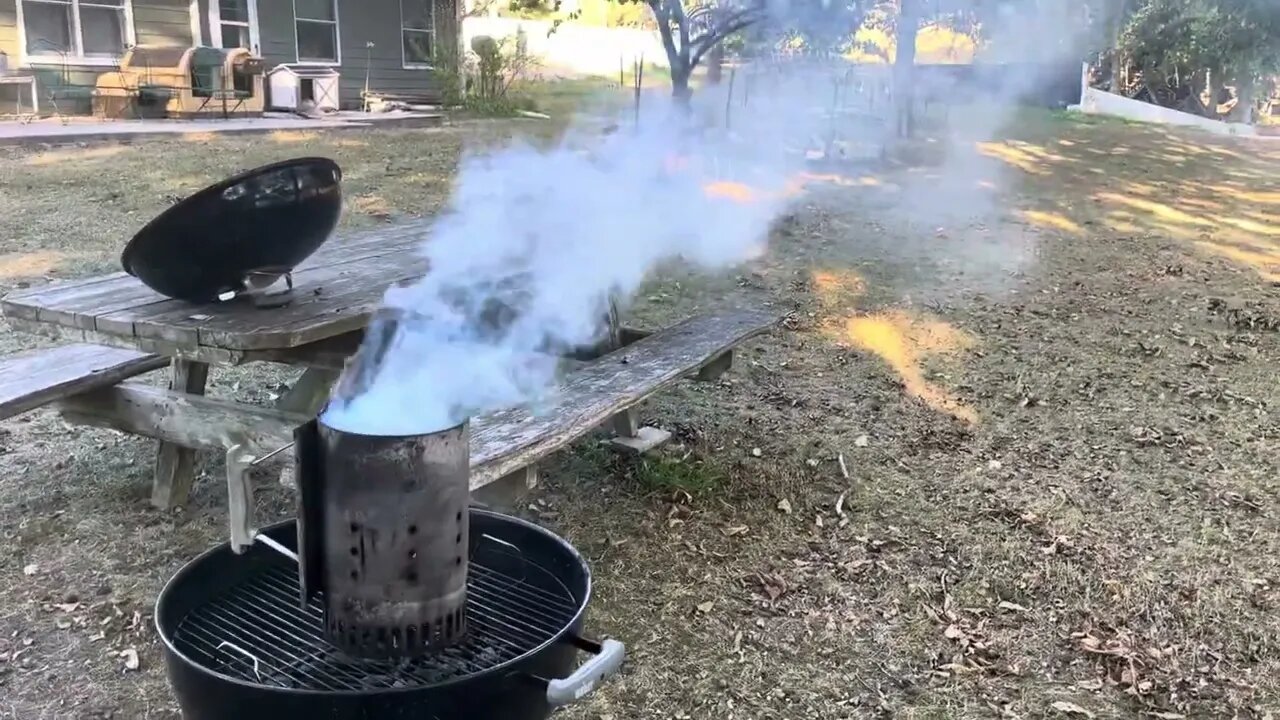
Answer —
335 290
510 439
501 442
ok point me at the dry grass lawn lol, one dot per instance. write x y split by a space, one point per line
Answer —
1038 482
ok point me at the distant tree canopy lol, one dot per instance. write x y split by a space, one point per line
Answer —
1184 51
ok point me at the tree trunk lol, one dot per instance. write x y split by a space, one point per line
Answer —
904 66
680 89
1244 110
1117 57
715 64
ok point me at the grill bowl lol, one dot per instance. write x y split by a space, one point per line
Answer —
237 644
266 221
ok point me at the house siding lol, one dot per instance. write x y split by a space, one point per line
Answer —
155 22
359 22
168 22
9 30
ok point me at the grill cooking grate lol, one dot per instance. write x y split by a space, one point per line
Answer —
256 632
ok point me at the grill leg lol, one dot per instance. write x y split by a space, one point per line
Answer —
240 497
175 465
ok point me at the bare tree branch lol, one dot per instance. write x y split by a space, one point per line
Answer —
677 13
664 27
720 30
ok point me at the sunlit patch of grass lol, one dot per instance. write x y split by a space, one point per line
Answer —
1051 221
55 157
284 137
30 264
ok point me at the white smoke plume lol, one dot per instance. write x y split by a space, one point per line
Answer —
537 240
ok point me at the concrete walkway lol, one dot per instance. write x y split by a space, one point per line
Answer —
89 130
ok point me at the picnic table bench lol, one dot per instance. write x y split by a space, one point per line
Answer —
120 329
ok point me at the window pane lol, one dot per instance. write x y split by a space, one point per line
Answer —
235 36
233 10
417 47
48 27
317 41
314 9
103 30
416 14
110 3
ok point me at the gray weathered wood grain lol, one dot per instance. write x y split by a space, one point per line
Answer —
510 439
31 379
176 464
335 290
501 442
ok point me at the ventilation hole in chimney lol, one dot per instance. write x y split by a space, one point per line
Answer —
413 554
457 560
448 625
395 639
459 516
355 575
355 551
413 529
355 528
411 636
411 576
458 540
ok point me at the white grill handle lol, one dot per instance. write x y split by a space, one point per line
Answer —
583 680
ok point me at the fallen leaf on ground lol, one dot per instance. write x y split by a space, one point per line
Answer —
67 607
738 530
1015 607
784 505
1068 708
130 658
31 569
706 606
862 441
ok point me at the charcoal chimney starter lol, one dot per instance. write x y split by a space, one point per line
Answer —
382 534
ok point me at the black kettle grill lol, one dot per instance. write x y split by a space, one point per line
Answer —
237 644
390 597
240 235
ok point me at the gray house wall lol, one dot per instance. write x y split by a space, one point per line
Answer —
359 22
155 22
168 22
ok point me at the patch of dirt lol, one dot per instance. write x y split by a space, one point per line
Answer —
827 537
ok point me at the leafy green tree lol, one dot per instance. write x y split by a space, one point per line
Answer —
1204 44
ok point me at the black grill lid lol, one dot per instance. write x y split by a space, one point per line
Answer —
259 224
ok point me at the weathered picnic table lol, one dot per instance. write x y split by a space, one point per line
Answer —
120 329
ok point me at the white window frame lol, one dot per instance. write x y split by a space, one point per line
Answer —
337 37
216 23
76 56
404 61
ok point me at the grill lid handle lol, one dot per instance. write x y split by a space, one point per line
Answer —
606 662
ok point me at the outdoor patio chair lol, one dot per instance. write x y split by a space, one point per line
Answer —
209 81
60 89
126 90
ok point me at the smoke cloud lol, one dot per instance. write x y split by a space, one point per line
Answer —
537 240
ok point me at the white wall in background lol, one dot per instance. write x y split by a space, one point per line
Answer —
578 48
1101 102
